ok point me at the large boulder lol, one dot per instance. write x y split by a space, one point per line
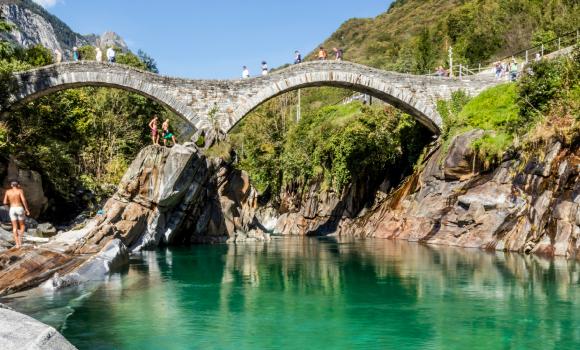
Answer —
458 163
31 183
21 332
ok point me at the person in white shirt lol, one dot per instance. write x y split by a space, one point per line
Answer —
99 55
264 68
111 55
245 72
57 56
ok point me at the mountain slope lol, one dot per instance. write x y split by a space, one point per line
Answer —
413 35
34 25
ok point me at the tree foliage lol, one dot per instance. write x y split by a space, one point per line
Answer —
414 35
80 140
337 144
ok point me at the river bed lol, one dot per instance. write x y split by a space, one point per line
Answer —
312 293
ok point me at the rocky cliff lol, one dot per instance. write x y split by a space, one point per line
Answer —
527 205
34 25
167 196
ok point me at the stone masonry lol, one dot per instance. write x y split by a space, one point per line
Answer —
221 104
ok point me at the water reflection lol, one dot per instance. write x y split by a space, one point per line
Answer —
311 293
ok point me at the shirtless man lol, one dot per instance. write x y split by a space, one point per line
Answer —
18 207
154 132
167 135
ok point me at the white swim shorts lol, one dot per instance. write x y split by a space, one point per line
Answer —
17 214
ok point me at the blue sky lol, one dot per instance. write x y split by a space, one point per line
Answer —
214 38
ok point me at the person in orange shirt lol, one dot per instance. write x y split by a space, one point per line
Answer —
322 54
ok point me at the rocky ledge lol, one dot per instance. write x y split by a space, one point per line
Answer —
20 332
167 196
529 205
175 196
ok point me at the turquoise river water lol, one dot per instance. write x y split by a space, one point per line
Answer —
321 294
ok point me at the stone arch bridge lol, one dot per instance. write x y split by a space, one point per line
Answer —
231 100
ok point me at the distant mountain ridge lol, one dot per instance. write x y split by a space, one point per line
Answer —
35 25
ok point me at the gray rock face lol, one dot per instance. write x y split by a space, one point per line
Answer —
20 332
30 28
110 39
34 25
459 162
530 208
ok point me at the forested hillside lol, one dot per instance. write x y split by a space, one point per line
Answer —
414 35
411 36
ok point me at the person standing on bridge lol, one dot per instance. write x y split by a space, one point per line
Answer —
76 56
111 55
15 198
57 56
154 130
322 54
98 55
514 70
245 72
264 68
167 135
337 54
297 57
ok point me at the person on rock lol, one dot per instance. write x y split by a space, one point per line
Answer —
154 130
15 198
167 135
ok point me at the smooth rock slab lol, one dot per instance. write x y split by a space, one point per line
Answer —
21 332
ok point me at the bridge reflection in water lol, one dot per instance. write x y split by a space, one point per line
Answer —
312 293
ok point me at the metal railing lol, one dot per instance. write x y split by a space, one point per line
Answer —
539 51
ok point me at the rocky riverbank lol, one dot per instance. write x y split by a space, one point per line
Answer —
167 196
529 205
177 195
18 331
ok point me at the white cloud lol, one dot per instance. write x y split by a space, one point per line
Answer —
47 3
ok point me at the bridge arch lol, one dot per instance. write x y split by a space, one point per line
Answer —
43 81
409 94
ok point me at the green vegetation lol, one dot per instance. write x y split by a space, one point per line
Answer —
511 112
80 140
414 35
337 145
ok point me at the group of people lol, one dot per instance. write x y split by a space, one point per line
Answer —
322 56
506 69
15 198
166 134
76 55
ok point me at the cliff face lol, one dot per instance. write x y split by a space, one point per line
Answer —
528 206
167 196
34 25
31 28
